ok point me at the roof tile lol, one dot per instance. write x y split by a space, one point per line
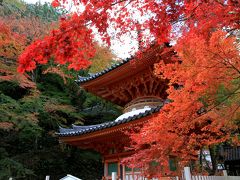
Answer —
78 130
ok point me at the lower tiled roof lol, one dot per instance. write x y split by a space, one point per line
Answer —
79 130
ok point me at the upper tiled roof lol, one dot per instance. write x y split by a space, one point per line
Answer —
94 76
79 130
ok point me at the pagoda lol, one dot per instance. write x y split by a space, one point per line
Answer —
132 85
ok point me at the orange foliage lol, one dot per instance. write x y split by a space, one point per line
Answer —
11 43
101 60
8 73
195 118
6 125
58 71
15 35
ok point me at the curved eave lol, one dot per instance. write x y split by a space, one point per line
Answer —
83 80
107 125
122 70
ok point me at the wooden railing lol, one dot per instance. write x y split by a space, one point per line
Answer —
138 176
188 176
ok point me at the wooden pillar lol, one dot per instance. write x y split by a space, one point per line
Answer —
105 169
124 172
132 173
119 170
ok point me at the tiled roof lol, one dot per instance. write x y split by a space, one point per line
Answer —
94 76
79 130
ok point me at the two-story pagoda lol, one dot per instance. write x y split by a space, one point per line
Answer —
132 85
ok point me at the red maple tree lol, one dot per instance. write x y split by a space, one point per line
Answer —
204 109
71 43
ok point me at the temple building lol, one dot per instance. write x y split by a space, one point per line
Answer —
132 85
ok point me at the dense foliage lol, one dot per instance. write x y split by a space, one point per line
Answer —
34 105
204 112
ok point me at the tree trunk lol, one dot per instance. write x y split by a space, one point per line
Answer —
201 160
214 157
